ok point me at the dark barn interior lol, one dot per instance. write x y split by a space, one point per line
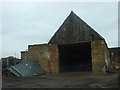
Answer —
75 57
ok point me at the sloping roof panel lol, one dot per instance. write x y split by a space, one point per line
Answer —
73 30
26 68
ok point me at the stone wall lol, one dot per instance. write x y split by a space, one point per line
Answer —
100 55
45 55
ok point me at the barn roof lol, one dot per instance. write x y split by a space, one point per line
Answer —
74 30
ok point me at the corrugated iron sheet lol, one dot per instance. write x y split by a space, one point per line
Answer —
26 68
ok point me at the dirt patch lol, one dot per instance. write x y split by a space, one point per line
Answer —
63 80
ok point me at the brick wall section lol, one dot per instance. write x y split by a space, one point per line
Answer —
100 55
54 59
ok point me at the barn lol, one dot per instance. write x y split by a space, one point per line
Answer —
75 47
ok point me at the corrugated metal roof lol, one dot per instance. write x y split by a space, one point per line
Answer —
26 68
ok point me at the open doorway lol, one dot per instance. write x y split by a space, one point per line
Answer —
75 57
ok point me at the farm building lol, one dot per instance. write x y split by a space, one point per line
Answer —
115 54
75 47
24 55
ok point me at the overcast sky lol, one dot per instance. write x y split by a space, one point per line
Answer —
24 24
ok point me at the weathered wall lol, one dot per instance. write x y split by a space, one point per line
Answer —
24 55
41 54
100 55
54 58
46 56
115 54
74 30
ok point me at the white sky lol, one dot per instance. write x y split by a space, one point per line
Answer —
34 23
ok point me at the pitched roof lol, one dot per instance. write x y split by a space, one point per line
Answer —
74 30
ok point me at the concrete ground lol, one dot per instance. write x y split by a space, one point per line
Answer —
63 80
